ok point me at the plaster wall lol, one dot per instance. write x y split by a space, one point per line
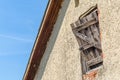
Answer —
64 59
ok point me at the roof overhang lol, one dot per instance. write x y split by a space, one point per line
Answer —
43 36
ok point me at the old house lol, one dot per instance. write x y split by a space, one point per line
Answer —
56 54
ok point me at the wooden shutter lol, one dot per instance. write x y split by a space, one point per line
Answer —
87 32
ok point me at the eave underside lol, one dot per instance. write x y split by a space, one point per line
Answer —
44 34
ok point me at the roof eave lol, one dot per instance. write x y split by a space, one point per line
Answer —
43 36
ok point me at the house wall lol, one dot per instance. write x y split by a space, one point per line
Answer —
64 59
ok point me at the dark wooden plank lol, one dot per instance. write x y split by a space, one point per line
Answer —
42 39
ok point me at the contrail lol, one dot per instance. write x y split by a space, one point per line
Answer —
16 38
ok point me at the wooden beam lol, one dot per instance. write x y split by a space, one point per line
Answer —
44 34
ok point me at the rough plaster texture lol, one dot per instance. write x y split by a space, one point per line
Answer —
64 60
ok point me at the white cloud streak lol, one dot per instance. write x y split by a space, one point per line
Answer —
16 38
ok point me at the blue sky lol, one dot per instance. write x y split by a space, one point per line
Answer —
19 24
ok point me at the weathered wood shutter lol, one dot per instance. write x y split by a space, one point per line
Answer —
87 32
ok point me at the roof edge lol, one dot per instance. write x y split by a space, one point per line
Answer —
43 36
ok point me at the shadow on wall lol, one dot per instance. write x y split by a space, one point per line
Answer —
52 40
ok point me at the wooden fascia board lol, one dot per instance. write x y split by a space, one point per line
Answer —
44 34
